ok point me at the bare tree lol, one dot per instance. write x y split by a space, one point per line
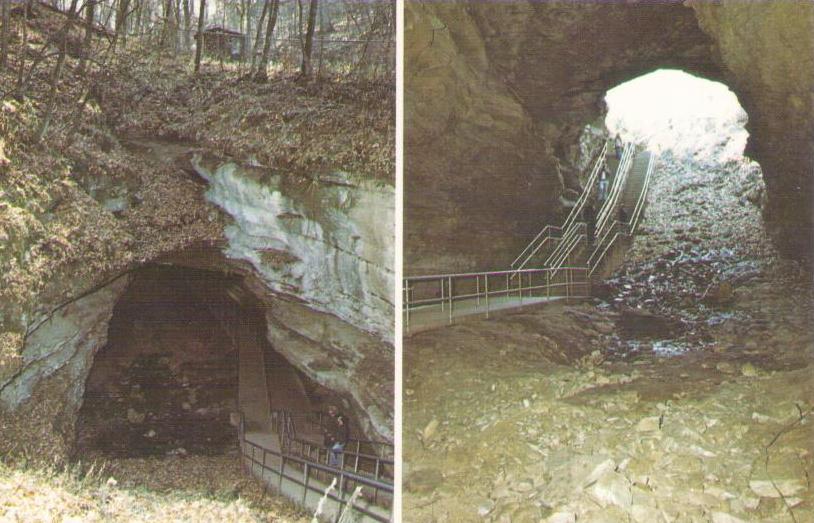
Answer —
90 9
63 51
199 42
120 34
308 45
187 24
262 67
4 36
259 32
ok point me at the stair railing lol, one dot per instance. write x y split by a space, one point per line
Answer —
579 231
547 233
613 196
566 256
607 211
639 208
622 230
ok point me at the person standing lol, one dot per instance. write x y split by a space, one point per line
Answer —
589 215
337 434
623 215
617 144
603 185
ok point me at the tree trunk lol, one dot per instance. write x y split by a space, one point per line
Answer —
176 42
187 25
259 32
308 46
63 51
23 51
199 41
90 8
262 68
121 22
166 32
4 36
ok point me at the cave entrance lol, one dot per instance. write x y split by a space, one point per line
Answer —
701 234
671 111
178 365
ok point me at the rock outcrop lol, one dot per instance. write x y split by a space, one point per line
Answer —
317 253
496 96
325 241
767 53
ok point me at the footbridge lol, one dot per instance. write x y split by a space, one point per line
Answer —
560 263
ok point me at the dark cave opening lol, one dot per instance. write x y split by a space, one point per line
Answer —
168 381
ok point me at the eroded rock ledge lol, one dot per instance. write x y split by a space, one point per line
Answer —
317 253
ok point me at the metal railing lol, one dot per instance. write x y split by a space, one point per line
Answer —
381 448
547 233
619 180
312 475
572 226
567 273
621 230
366 456
446 292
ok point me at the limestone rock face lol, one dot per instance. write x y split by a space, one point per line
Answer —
321 258
66 341
496 95
767 51
328 243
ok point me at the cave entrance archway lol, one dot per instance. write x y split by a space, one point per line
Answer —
698 128
669 110
181 359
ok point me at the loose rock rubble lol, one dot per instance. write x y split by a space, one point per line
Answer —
589 413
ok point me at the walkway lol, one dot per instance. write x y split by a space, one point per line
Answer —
442 299
307 482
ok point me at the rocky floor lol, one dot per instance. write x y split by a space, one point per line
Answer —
693 406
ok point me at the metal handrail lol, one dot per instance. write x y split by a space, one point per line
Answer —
594 265
282 422
566 239
569 251
577 210
605 224
292 437
524 286
572 215
308 468
637 211
579 230
619 181
630 227
546 229
602 240
473 274
315 418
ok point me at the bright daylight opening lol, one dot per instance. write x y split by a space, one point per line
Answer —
670 110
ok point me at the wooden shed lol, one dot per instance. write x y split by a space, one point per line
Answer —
222 43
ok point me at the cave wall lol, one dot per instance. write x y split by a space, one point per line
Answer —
767 50
496 95
319 257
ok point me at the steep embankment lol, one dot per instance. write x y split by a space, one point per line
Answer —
294 196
